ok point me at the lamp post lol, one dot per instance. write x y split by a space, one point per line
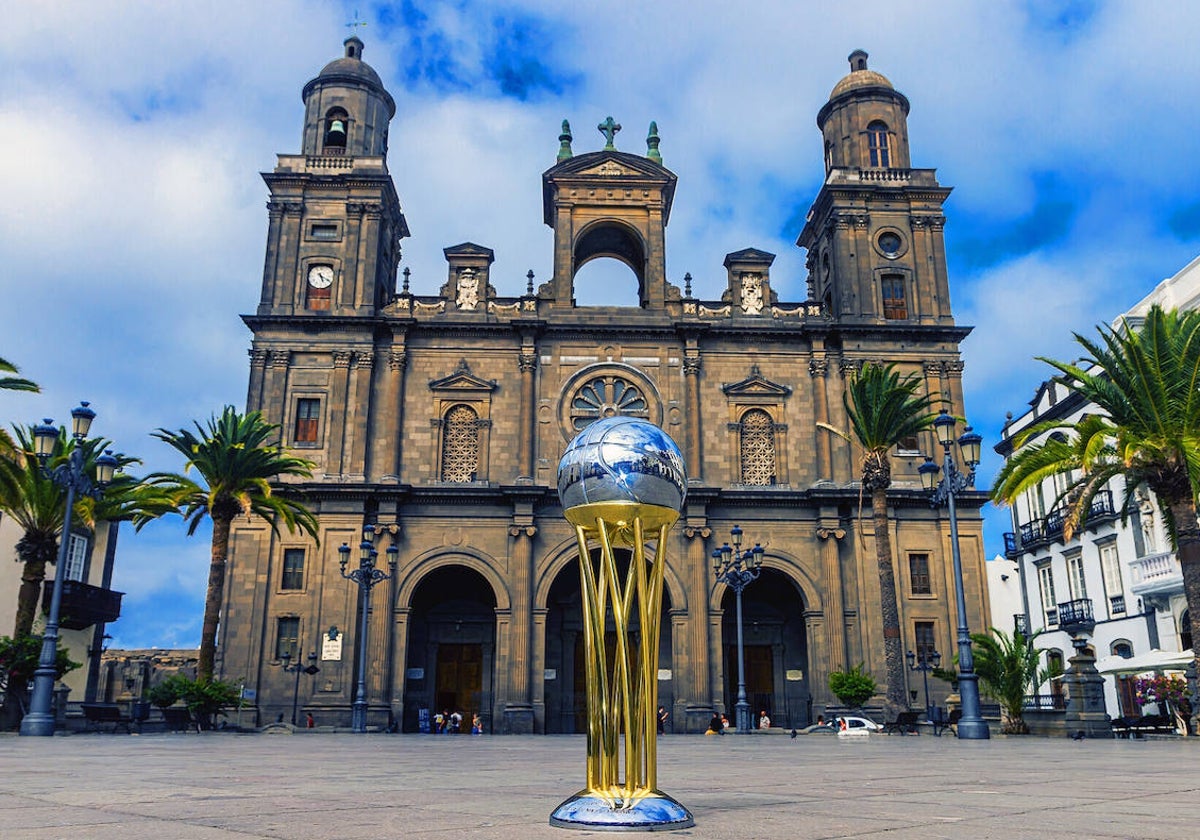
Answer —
72 477
972 725
737 569
297 669
925 661
366 576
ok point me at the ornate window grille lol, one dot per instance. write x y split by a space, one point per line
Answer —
460 444
758 448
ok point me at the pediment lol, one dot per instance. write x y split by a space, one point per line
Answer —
756 385
462 380
469 249
751 256
609 164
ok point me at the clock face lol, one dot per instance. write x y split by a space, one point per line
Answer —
320 276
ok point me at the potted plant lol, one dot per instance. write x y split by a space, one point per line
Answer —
852 687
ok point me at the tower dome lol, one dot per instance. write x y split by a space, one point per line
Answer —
347 108
865 121
859 76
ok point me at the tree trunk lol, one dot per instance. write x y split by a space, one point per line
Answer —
32 576
212 599
1187 547
893 650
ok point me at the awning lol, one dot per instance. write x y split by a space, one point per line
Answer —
1152 660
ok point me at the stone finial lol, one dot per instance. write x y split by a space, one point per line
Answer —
407 272
529 283
564 142
652 141
609 129
687 284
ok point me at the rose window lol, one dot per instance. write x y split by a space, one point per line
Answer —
607 396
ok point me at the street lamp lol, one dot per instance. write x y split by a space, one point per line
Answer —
737 569
924 662
972 725
366 576
298 669
73 478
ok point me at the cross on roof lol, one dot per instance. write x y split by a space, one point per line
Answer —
354 24
609 129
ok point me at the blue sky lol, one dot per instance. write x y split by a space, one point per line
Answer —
132 227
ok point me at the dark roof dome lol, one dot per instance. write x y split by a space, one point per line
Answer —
859 76
351 64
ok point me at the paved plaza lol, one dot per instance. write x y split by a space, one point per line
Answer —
313 786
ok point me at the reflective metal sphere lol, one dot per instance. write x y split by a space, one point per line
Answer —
622 459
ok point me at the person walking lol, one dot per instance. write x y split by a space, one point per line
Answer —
662 719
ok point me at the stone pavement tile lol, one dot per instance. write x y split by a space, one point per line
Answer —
53 816
138 830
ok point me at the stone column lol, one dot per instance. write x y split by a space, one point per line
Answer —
503 665
518 708
830 534
691 384
274 393
358 410
679 667
695 686
258 372
400 655
818 368
527 362
818 668
386 421
338 395
537 669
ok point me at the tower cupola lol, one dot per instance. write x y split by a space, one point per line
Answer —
347 108
864 123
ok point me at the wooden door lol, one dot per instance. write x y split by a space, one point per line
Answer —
460 680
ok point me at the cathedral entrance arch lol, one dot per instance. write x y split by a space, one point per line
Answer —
451 659
776 650
564 688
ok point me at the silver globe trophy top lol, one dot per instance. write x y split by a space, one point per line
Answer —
622 460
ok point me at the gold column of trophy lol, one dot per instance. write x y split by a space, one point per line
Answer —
622 484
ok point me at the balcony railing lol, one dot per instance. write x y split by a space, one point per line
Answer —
1076 616
1156 574
1044 530
83 604
1045 702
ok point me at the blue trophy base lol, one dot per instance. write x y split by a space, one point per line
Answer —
656 812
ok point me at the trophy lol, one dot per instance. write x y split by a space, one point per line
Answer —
622 484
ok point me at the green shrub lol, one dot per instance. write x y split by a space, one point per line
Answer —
19 659
203 698
853 687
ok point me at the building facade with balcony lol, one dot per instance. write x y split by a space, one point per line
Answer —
89 603
1119 567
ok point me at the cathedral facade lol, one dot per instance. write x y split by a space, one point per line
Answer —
440 419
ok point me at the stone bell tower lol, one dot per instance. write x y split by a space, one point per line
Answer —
609 204
335 219
876 254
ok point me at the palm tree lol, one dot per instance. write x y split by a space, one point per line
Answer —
233 457
1008 666
1146 380
14 383
36 504
884 408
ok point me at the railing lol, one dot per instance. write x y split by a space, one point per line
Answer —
83 604
1076 616
1116 605
1043 530
1045 702
1156 574
330 162
885 174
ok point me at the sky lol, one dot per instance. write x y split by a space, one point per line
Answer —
133 227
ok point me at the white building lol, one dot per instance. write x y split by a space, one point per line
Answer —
1125 571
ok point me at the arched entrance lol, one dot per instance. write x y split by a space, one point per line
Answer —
564 688
776 650
451 660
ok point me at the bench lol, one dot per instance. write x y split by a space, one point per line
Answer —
179 719
941 722
904 724
99 714
1137 726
